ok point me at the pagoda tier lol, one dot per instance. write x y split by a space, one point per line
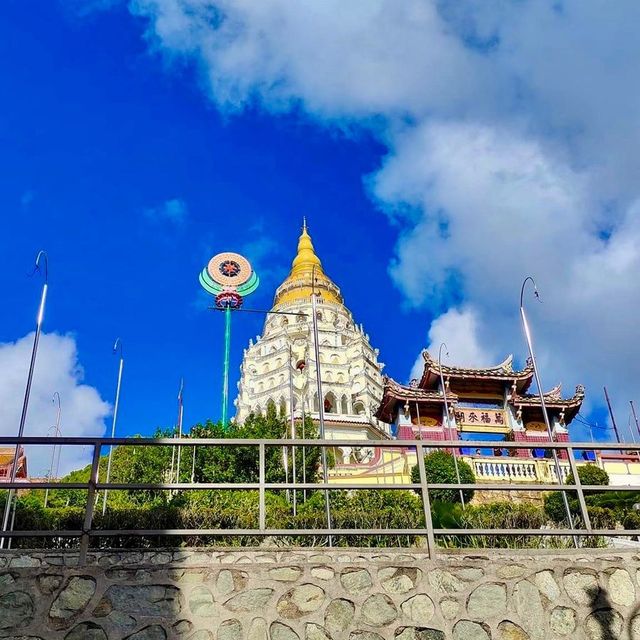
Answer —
492 400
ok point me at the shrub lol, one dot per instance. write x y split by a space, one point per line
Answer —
589 474
440 468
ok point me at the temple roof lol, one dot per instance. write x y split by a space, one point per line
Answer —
305 266
503 372
552 398
394 393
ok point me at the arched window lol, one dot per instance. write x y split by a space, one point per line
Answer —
344 405
358 408
278 363
265 368
335 359
329 376
260 386
281 378
271 383
330 403
322 358
283 406
340 377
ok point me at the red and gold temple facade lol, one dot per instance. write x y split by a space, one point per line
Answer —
489 404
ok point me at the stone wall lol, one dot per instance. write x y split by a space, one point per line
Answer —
320 595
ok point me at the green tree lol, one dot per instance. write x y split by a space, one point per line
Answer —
440 468
589 474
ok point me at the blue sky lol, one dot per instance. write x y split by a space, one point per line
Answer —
98 140
441 152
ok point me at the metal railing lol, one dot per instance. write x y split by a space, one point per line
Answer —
421 448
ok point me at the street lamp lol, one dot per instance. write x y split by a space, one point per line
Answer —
446 410
527 334
56 434
117 346
42 255
316 347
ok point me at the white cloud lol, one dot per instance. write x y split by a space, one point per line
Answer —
174 211
512 130
458 330
57 369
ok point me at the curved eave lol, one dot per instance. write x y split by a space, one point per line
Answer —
394 394
502 372
570 406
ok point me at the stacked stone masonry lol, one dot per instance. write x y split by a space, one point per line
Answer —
320 595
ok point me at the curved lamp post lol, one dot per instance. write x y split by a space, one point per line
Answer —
448 418
180 414
527 334
41 257
117 346
316 348
56 434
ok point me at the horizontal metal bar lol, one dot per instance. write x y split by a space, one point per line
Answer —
538 532
332 486
257 532
231 442
97 533
68 533
43 485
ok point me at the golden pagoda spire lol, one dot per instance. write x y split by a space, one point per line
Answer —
305 267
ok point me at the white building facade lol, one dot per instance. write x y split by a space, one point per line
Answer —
280 365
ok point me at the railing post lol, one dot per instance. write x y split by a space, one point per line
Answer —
263 518
426 503
576 480
88 514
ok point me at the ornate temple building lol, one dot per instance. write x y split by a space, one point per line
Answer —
282 358
490 404
7 455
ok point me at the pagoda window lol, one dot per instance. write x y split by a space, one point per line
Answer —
344 405
330 403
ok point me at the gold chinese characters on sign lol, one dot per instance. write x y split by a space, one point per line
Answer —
481 418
